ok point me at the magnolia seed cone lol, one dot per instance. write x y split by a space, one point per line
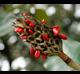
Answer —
42 38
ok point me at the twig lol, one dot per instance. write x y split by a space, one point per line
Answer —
69 61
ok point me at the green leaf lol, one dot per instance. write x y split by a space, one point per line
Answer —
40 14
5 29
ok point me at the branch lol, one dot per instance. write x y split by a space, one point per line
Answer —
69 61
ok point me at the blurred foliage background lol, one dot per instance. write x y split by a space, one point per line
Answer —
14 54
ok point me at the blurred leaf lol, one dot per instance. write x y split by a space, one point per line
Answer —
40 14
6 28
6 24
72 47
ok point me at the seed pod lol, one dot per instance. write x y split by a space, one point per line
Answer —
51 47
42 36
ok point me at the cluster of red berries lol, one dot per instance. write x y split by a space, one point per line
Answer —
37 54
21 30
45 37
56 31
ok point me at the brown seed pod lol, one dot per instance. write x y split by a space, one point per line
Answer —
44 39
38 35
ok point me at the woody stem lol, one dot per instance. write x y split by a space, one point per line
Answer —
69 61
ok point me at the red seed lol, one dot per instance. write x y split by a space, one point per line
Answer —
37 54
63 36
56 30
45 37
20 30
32 25
28 21
44 56
32 51
43 22
30 31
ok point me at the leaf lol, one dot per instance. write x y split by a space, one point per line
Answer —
72 47
40 14
6 26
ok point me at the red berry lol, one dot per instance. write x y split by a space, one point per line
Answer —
28 21
63 36
56 30
37 54
30 31
44 56
45 37
20 30
32 25
32 51
43 22
23 37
